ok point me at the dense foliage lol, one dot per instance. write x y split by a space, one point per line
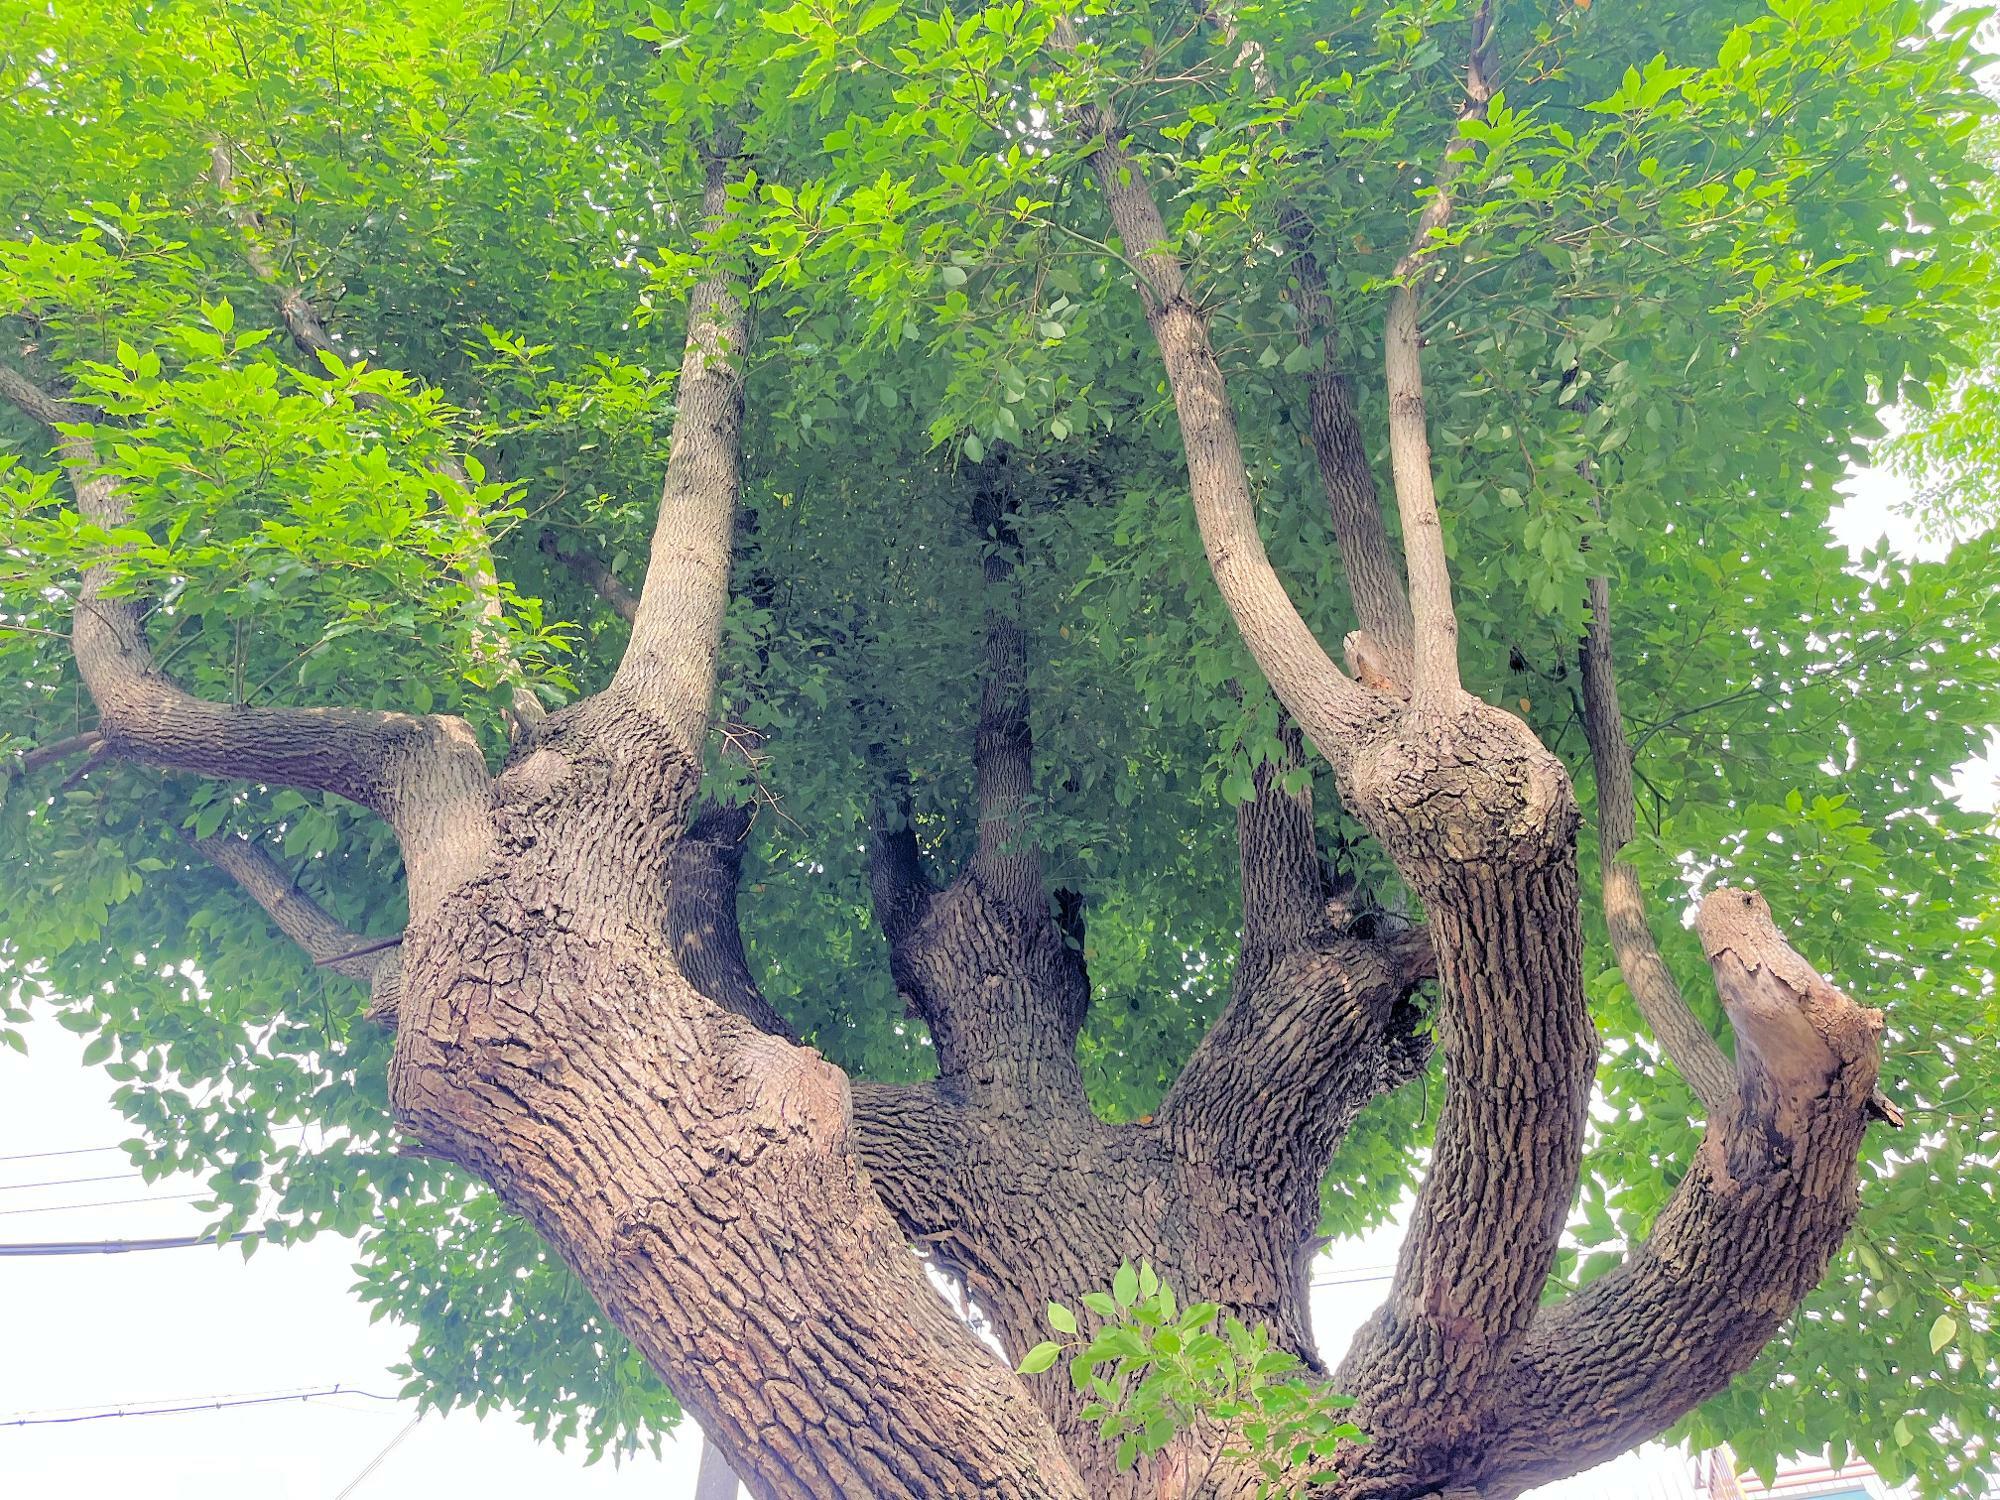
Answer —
1700 246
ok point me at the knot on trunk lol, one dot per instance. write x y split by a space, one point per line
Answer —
1470 787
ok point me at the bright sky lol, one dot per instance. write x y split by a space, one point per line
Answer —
92 1332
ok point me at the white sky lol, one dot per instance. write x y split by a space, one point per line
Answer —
95 1331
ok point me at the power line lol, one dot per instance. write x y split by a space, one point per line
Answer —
214 1403
57 1208
376 1462
73 1151
94 1150
22 1187
120 1247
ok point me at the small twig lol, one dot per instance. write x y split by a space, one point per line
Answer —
91 758
362 952
57 750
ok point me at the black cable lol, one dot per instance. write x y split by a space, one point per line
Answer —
216 1404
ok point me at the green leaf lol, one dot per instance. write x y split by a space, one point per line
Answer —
1041 1357
1125 1285
1943 1331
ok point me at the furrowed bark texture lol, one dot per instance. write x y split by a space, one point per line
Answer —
1000 1170
698 1172
578 1024
1480 820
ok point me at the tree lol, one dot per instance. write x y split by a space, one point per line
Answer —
832 854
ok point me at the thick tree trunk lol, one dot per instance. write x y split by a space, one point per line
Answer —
698 1173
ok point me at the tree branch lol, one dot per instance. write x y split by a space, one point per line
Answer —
1374 575
308 330
1277 854
1435 678
364 756
326 942
704 877
669 666
1685 1040
1315 1026
592 570
1747 1234
1331 708
33 759
1005 860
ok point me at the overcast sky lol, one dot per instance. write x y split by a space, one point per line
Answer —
91 1332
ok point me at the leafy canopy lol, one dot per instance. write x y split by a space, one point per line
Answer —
1699 246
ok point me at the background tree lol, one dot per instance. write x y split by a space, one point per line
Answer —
342 599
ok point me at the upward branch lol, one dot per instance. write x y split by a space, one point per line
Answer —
1330 707
1368 561
1436 622
1006 862
669 667
1686 1041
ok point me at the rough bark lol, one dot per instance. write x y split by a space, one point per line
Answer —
1747 1234
579 1026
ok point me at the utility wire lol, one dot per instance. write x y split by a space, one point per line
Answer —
22 1187
121 1247
94 1150
57 1208
217 1403
376 1462
45 1155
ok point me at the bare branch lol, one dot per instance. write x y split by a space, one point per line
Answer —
1686 1041
29 761
593 570
1435 679
308 330
704 875
1284 897
669 666
1005 861
297 915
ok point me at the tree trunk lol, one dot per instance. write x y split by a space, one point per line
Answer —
697 1173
